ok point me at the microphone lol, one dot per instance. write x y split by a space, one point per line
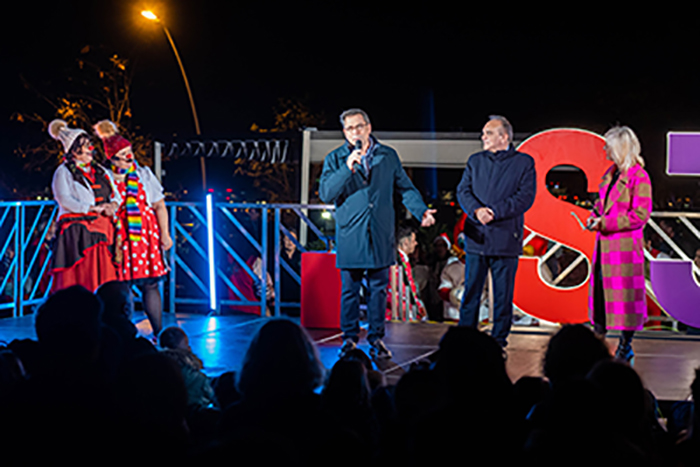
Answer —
356 165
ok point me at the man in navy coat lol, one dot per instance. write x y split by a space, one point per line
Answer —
360 178
497 187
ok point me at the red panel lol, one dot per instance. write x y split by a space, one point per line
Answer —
320 291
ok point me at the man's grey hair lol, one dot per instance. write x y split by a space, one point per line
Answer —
506 125
351 112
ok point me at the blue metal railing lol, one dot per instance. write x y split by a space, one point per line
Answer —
25 230
245 251
247 247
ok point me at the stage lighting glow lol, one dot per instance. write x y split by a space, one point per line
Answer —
326 215
212 323
210 250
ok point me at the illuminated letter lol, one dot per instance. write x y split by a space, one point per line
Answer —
672 280
551 218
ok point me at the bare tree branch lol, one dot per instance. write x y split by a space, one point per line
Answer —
99 87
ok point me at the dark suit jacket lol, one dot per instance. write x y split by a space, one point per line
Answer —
364 215
505 182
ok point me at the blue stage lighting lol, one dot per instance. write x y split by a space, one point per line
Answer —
210 250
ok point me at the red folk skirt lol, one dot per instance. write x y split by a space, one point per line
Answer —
83 252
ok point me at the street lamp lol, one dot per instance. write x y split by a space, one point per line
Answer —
152 17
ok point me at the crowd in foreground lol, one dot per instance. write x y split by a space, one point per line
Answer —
89 389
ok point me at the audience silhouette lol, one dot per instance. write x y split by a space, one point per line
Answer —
90 388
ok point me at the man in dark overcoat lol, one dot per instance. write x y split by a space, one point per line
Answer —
360 178
497 187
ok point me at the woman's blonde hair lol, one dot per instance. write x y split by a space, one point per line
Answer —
623 147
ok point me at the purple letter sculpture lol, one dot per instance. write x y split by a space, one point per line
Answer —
672 280
683 153
676 290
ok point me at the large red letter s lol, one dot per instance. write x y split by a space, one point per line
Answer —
551 218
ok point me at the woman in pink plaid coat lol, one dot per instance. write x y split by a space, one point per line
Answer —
617 293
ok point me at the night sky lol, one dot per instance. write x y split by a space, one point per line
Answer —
432 68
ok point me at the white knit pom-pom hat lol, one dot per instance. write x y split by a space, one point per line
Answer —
59 130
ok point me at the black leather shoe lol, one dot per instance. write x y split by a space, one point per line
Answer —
379 350
348 346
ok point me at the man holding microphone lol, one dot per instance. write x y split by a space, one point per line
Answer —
360 178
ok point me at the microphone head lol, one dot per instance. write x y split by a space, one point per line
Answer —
358 145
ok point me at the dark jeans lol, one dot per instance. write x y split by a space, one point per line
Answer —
377 280
503 270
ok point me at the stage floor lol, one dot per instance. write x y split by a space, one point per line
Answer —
666 361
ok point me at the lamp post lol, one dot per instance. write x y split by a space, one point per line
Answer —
152 16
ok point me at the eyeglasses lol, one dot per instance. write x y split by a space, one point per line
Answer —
358 127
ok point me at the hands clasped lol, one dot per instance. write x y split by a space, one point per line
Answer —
106 209
484 215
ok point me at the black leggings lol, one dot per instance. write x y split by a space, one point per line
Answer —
152 306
